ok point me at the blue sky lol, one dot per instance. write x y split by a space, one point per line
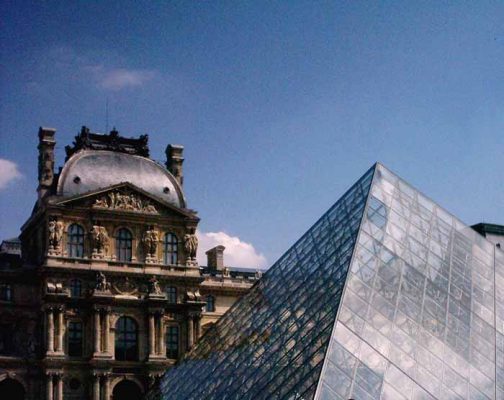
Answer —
281 106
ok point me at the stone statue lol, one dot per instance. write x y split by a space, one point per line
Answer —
191 245
150 240
55 229
101 282
100 239
154 286
112 199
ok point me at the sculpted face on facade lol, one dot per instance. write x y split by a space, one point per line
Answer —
107 293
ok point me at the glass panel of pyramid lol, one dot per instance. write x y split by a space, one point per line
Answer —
387 296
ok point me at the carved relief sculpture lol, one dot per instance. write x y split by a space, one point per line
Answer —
150 240
100 241
125 201
154 289
55 234
101 283
191 247
124 286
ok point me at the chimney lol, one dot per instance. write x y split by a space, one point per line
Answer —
215 257
45 160
174 161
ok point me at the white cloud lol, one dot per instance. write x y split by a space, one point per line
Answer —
104 72
8 172
120 78
237 253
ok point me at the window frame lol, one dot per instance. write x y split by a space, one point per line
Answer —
171 294
170 249
75 341
126 348
75 241
124 245
75 284
210 305
172 341
5 292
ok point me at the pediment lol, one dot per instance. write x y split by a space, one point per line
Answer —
124 197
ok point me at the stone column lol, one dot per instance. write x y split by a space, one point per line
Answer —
96 387
162 342
59 387
50 330
107 331
190 331
49 387
197 326
97 332
59 343
152 336
158 334
106 387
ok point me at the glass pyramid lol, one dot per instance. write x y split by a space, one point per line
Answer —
387 296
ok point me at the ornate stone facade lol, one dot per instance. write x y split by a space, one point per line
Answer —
107 293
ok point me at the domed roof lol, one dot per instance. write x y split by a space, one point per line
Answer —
89 170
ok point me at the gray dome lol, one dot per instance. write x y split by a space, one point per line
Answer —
90 170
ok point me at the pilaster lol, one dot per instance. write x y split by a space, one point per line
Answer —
49 386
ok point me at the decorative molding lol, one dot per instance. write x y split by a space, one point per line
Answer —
125 286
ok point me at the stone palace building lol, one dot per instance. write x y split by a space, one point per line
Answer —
101 292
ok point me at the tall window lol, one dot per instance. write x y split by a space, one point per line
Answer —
75 245
5 292
75 339
126 339
210 303
172 342
170 249
123 245
75 288
171 294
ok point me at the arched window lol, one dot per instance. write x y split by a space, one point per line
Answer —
75 244
210 303
75 339
172 342
171 294
124 242
126 339
75 288
170 249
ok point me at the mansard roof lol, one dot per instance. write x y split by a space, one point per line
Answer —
90 169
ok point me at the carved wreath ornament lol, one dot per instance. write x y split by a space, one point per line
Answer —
125 201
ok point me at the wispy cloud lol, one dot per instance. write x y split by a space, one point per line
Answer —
237 254
8 172
109 74
117 79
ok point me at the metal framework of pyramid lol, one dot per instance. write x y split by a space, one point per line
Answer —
387 296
